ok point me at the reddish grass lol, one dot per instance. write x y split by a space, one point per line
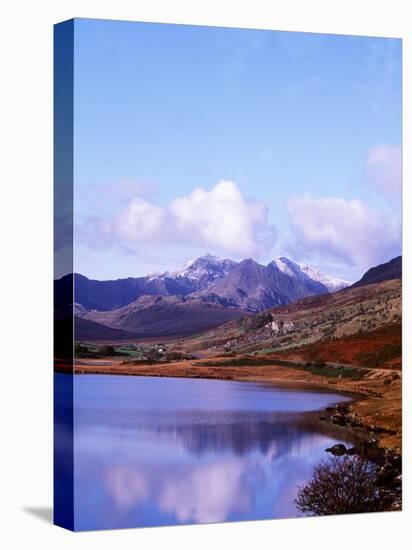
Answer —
378 348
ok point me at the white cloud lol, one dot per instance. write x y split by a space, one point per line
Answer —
209 493
139 221
384 168
348 231
126 485
222 217
219 219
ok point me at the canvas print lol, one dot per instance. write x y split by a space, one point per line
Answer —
228 274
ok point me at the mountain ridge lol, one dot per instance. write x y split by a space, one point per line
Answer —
196 276
247 288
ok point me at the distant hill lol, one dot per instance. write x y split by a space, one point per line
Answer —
158 316
383 272
90 331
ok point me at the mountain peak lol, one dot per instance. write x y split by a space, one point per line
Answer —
248 261
207 258
203 270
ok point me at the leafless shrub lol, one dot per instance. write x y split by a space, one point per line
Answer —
340 485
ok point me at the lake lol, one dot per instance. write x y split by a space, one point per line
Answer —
162 451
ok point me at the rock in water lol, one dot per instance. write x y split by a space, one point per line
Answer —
337 450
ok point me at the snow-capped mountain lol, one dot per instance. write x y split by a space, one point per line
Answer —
333 284
203 271
256 287
306 273
244 284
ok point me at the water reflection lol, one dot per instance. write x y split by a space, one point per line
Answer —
138 464
271 435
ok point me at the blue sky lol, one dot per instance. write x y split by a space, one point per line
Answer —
295 136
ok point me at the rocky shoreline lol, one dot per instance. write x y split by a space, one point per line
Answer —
387 460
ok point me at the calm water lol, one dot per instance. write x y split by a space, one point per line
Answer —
158 451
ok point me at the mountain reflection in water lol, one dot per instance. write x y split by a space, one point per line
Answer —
156 451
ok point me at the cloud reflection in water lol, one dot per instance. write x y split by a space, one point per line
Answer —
165 467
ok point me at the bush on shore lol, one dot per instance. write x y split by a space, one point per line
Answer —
341 485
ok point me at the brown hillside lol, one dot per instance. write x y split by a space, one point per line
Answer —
380 348
349 312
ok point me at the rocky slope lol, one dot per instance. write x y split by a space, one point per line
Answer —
323 318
